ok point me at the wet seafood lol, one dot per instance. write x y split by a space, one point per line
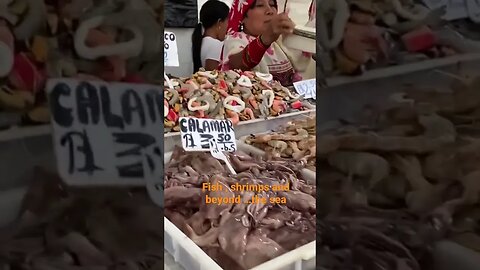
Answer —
245 233
368 34
236 95
88 40
401 180
296 141
67 228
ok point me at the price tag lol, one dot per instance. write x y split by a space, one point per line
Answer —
106 133
216 153
170 55
198 133
307 88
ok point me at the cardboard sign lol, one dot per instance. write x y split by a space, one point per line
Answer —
197 133
170 54
107 133
307 88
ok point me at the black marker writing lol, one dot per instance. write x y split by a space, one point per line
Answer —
131 103
111 120
189 140
139 142
196 125
84 148
61 115
205 140
87 101
92 99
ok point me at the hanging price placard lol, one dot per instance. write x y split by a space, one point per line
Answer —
170 55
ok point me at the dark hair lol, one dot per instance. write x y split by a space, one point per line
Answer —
211 13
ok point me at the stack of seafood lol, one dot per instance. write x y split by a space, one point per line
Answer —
367 34
84 39
296 141
234 95
244 233
85 229
399 178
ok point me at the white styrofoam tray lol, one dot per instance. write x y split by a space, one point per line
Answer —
192 257
243 128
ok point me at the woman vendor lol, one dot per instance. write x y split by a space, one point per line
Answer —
254 42
208 35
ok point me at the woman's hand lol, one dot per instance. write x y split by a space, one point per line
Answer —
280 24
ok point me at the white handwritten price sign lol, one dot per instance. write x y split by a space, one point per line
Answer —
197 133
307 88
170 52
107 133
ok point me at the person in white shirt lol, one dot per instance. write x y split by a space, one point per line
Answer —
208 36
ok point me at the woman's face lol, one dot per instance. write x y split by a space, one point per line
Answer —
257 18
222 29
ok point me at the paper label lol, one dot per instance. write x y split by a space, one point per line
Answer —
307 88
198 133
170 50
106 133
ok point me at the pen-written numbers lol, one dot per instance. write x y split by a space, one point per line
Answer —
106 133
197 133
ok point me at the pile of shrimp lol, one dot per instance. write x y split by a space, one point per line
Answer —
296 141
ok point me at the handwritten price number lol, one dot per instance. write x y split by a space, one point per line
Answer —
226 141
222 138
228 148
225 148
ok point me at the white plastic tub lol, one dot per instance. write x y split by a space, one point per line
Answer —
344 100
192 257
243 128
388 72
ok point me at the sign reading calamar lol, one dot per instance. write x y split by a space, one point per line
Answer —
107 133
198 132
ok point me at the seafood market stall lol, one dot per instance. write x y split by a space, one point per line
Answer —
355 37
219 247
399 161
251 100
111 41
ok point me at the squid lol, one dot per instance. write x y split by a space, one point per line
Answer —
341 15
127 49
416 12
